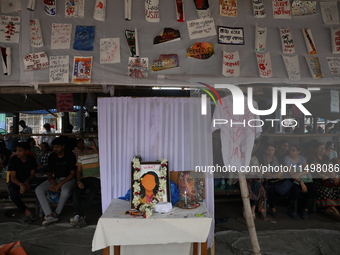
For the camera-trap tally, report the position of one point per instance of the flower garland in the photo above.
(147, 208)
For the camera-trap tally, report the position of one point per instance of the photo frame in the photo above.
(150, 183)
(191, 186)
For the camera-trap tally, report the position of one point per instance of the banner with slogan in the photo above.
(65, 102)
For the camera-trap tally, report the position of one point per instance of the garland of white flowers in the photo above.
(148, 208)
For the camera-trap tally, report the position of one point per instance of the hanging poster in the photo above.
(74, 8)
(59, 69)
(201, 50)
(127, 9)
(138, 67)
(334, 66)
(64, 102)
(301, 8)
(281, 9)
(334, 95)
(292, 67)
(6, 60)
(36, 39)
(329, 11)
(264, 64)
(99, 10)
(258, 9)
(287, 41)
(9, 29)
(260, 39)
(31, 5)
(152, 10)
(228, 8)
(335, 35)
(314, 67)
(167, 35)
(231, 35)
(201, 28)
(36, 61)
(231, 64)
(180, 11)
(50, 7)
(165, 61)
(82, 67)
(202, 7)
(84, 38)
(61, 36)
(132, 41)
(8, 6)
(109, 50)
(307, 34)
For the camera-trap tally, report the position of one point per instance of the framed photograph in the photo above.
(191, 186)
(150, 183)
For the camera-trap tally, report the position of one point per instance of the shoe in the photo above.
(55, 215)
(81, 223)
(49, 220)
(294, 215)
(304, 215)
(74, 220)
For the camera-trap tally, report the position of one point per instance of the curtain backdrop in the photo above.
(171, 128)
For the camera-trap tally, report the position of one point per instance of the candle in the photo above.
(185, 197)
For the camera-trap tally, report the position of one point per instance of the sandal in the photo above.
(25, 220)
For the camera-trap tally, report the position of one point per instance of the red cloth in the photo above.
(14, 248)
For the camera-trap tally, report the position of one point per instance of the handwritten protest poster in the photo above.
(314, 67)
(59, 69)
(301, 8)
(334, 106)
(260, 39)
(281, 9)
(6, 60)
(82, 67)
(228, 8)
(61, 36)
(165, 61)
(152, 10)
(74, 8)
(138, 67)
(201, 28)
(231, 64)
(231, 35)
(200, 50)
(258, 9)
(84, 38)
(64, 102)
(36, 39)
(329, 11)
(36, 61)
(99, 10)
(202, 8)
(334, 66)
(292, 67)
(287, 41)
(307, 34)
(335, 35)
(109, 50)
(8, 6)
(264, 64)
(9, 29)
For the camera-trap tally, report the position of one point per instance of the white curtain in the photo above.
(171, 128)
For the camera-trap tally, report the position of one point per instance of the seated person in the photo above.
(22, 169)
(80, 148)
(42, 157)
(34, 149)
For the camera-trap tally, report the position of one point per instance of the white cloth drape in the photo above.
(171, 128)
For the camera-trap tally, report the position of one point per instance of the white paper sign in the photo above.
(99, 10)
(334, 107)
(201, 28)
(335, 35)
(231, 35)
(287, 41)
(258, 9)
(281, 9)
(109, 50)
(8, 6)
(36, 39)
(264, 64)
(61, 36)
(260, 39)
(9, 29)
(231, 64)
(329, 11)
(152, 10)
(292, 67)
(314, 67)
(59, 69)
(74, 8)
(307, 34)
(334, 66)
(36, 61)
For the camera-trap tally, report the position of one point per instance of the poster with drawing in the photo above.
(334, 66)
(36, 39)
(9, 29)
(50, 7)
(329, 11)
(191, 185)
(201, 28)
(231, 35)
(231, 64)
(287, 41)
(258, 9)
(84, 38)
(335, 35)
(99, 10)
(301, 8)
(109, 50)
(281, 9)
(292, 67)
(260, 39)
(228, 8)
(314, 67)
(138, 67)
(264, 64)
(9, 6)
(61, 36)
(74, 8)
(165, 61)
(152, 10)
(59, 69)
(36, 61)
(307, 35)
(82, 67)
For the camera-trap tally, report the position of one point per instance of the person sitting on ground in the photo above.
(330, 150)
(80, 148)
(45, 138)
(61, 169)
(303, 189)
(22, 169)
(34, 149)
(87, 178)
(42, 157)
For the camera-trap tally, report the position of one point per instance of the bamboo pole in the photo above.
(248, 214)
